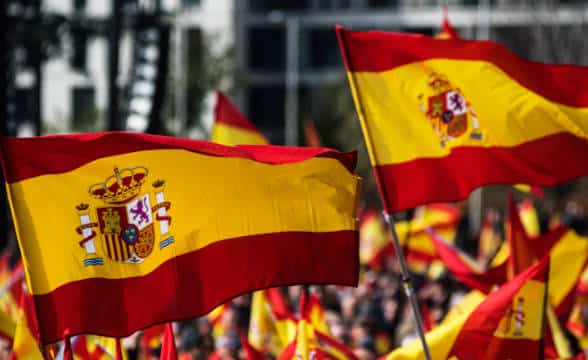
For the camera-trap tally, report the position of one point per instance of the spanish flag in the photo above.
(443, 117)
(447, 29)
(263, 329)
(26, 341)
(310, 343)
(231, 127)
(508, 324)
(418, 248)
(129, 217)
(465, 269)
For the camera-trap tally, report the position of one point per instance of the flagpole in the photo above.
(407, 284)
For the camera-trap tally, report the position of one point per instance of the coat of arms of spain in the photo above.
(450, 115)
(130, 220)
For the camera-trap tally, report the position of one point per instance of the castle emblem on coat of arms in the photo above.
(128, 223)
(450, 115)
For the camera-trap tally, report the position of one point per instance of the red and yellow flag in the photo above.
(442, 117)
(26, 334)
(272, 326)
(447, 29)
(508, 324)
(310, 343)
(418, 247)
(231, 127)
(168, 344)
(130, 217)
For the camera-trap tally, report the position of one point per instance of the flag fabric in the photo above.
(373, 237)
(529, 218)
(165, 222)
(466, 269)
(151, 338)
(91, 347)
(490, 239)
(507, 324)
(215, 318)
(576, 323)
(263, 329)
(428, 118)
(251, 353)
(316, 314)
(521, 256)
(26, 341)
(284, 318)
(231, 127)
(535, 190)
(10, 298)
(568, 253)
(447, 29)
(310, 343)
(168, 344)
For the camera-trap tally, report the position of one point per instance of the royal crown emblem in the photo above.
(451, 116)
(130, 220)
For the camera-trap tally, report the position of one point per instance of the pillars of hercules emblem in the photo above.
(85, 229)
(161, 207)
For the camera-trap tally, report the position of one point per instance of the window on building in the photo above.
(283, 5)
(323, 49)
(382, 3)
(84, 114)
(265, 105)
(267, 48)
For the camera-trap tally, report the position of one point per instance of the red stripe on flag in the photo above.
(369, 51)
(54, 154)
(543, 162)
(193, 284)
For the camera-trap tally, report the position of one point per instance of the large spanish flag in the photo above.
(120, 231)
(231, 127)
(443, 117)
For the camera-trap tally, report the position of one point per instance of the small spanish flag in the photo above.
(263, 332)
(442, 117)
(231, 127)
(447, 29)
(143, 226)
(310, 343)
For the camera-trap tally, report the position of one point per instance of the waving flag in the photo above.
(231, 127)
(443, 117)
(447, 29)
(272, 326)
(310, 343)
(418, 247)
(466, 269)
(130, 217)
(26, 342)
(508, 324)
